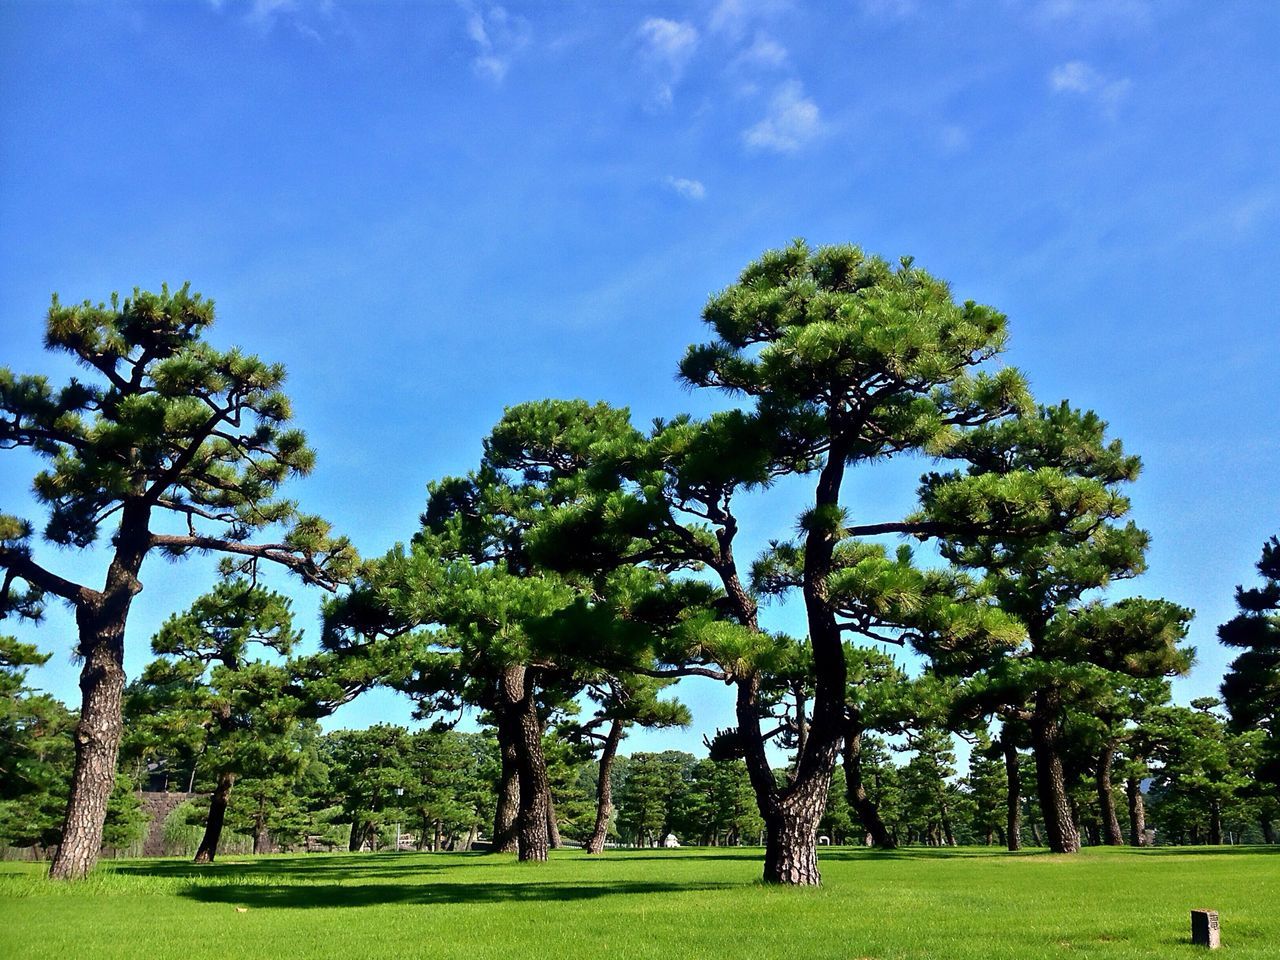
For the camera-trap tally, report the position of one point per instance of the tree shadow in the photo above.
(333, 895)
(370, 867)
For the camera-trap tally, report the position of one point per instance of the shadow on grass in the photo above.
(303, 896)
(368, 867)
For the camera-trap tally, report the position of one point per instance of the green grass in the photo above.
(955, 904)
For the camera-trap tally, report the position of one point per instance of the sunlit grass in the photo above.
(648, 904)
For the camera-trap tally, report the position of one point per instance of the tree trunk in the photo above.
(553, 825)
(1051, 781)
(1268, 832)
(1137, 812)
(261, 838)
(856, 792)
(1215, 823)
(353, 842)
(604, 789)
(790, 848)
(504, 820)
(1013, 811)
(520, 713)
(217, 816)
(97, 737)
(1111, 834)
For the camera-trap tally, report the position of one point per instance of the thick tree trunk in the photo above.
(1051, 780)
(604, 789)
(353, 841)
(1268, 832)
(1013, 811)
(1111, 834)
(217, 816)
(856, 793)
(520, 715)
(1215, 823)
(100, 623)
(504, 820)
(1137, 812)
(790, 848)
(97, 737)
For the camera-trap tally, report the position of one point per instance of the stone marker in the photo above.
(1204, 929)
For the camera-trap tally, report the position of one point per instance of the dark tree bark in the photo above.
(100, 623)
(1215, 823)
(353, 841)
(520, 714)
(1111, 834)
(261, 837)
(1013, 812)
(217, 816)
(790, 853)
(604, 789)
(856, 793)
(1051, 781)
(1268, 831)
(553, 825)
(508, 807)
(1137, 812)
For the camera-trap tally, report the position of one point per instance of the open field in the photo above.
(649, 904)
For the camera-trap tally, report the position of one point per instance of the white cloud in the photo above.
(888, 9)
(792, 122)
(763, 52)
(499, 37)
(666, 47)
(312, 18)
(1104, 15)
(689, 189)
(1083, 79)
(732, 17)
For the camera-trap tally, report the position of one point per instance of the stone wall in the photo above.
(157, 807)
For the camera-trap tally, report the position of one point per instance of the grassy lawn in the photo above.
(649, 904)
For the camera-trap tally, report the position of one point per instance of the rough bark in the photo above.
(97, 737)
(353, 841)
(508, 807)
(208, 848)
(604, 789)
(1137, 812)
(1111, 834)
(1051, 782)
(520, 714)
(856, 792)
(791, 853)
(1013, 812)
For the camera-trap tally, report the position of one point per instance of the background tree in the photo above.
(1057, 462)
(237, 705)
(172, 446)
(1251, 688)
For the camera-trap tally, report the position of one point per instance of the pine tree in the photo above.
(167, 426)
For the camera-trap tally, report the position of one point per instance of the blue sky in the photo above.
(430, 211)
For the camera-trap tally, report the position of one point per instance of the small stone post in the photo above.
(1204, 929)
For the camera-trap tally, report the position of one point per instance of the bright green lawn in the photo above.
(639, 904)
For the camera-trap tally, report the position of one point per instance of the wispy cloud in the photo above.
(1106, 15)
(666, 46)
(792, 121)
(499, 37)
(764, 52)
(311, 18)
(734, 17)
(689, 189)
(1082, 79)
(888, 9)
